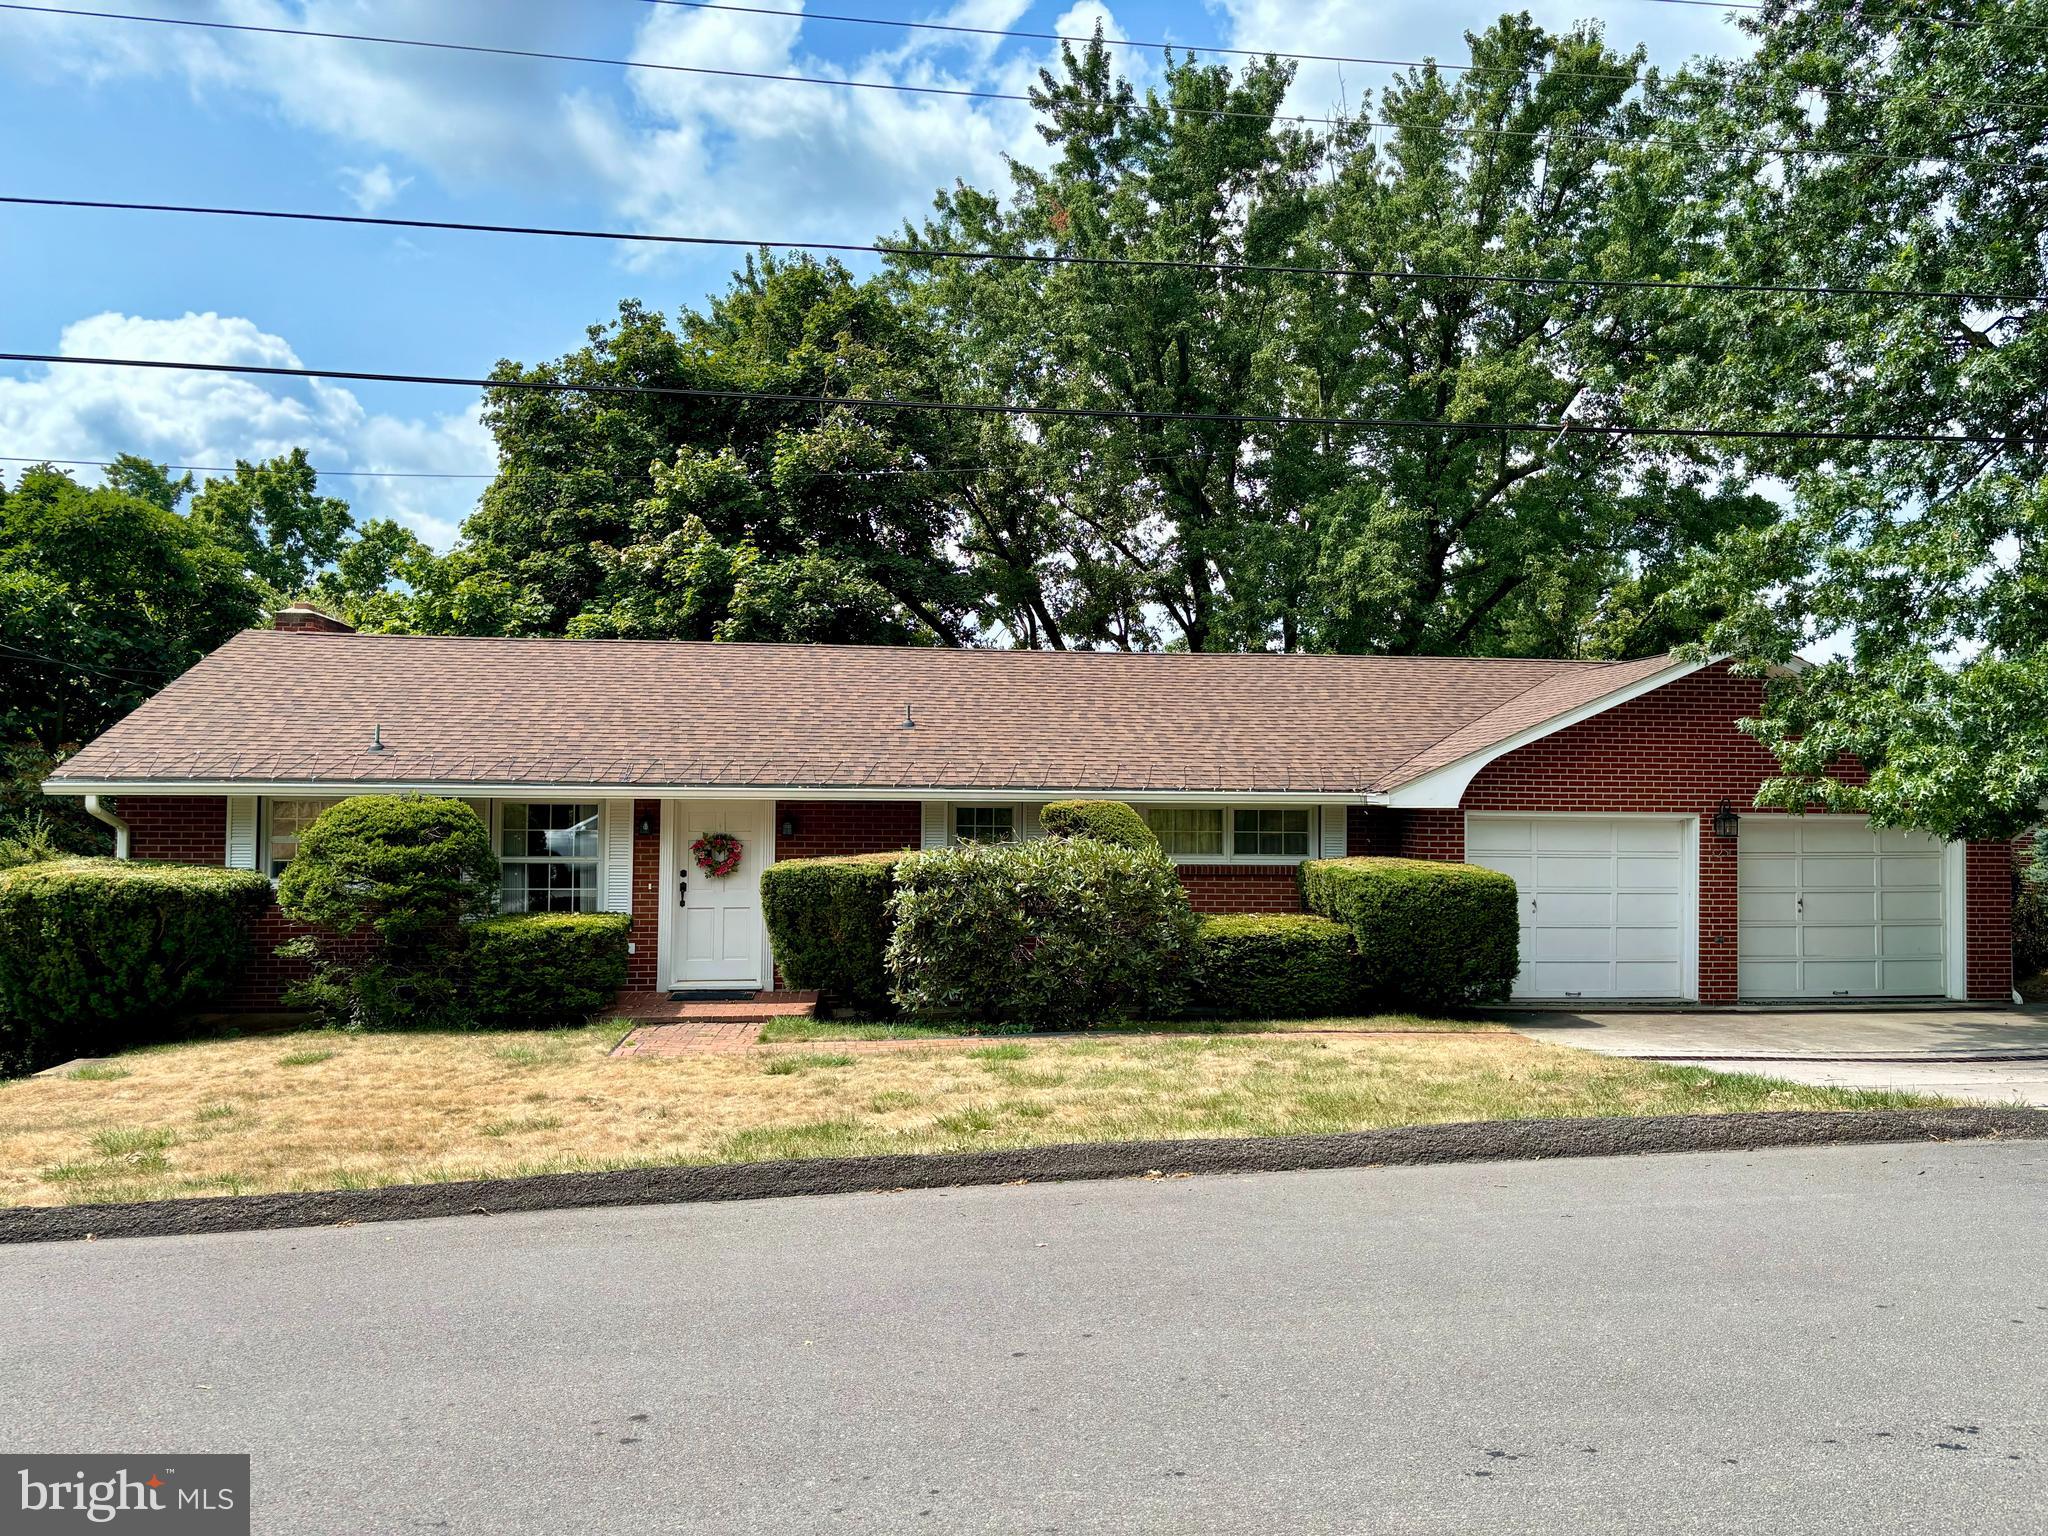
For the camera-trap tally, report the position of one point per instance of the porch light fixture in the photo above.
(1726, 823)
(787, 826)
(644, 825)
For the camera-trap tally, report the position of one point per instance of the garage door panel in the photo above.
(1836, 874)
(1575, 908)
(1499, 837)
(1602, 901)
(1646, 943)
(1574, 872)
(1643, 872)
(1910, 906)
(1636, 978)
(1910, 941)
(1829, 907)
(1844, 978)
(1899, 872)
(1910, 978)
(1649, 837)
(1768, 872)
(1826, 907)
(1572, 835)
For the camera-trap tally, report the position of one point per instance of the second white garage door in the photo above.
(1605, 901)
(1831, 907)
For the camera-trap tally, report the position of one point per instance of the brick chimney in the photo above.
(309, 620)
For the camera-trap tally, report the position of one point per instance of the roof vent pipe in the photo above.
(98, 812)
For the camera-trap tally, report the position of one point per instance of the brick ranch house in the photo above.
(597, 763)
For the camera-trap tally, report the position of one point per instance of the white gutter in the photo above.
(94, 809)
(600, 791)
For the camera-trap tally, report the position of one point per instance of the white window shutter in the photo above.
(242, 832)
(1026, 823)
(617, 895)
(1336, 839)
(938, 824)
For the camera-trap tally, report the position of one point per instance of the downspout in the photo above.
(98, 812)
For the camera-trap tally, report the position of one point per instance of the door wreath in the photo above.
(716, 853)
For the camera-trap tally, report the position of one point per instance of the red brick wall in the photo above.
(1241, 887)
(1987, 876)
(642, 974)
(186, 829)
(827, 829)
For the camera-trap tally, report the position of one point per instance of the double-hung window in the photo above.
(1196, 832)
(549, 853)
(285, 822)
(984, 824)
(1187, 832)
(1270, 834)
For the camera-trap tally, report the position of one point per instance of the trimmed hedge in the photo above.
(1107, 821)
(97, 953)
(544, 970)
(1053, 933)
(1277, 966)
(829, 921)
(406, 870)
(1429, 933)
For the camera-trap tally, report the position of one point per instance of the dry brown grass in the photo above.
(314, 1111)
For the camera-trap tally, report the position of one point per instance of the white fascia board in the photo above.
(1006, 795)
(1444, 788)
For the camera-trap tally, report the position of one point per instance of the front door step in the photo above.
(713, 994)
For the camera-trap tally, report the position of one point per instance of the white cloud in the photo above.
(75, 412)
(374, 188)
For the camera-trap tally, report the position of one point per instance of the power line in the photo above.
(1048, 258)
(79, 666)
(1532, 134)
(2011, 441)
(229, 469)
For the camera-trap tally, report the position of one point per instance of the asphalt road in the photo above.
(1817, 1340)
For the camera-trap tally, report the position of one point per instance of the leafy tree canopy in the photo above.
(1856, 150)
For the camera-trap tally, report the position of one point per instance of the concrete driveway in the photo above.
(1981, 1055)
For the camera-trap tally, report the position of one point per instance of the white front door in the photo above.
(1828, 907)
(1605, 901)
(720, 938)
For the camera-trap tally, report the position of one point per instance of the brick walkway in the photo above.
(696, 1038)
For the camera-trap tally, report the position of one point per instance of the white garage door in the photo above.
(1604, 903)
(1827, 907)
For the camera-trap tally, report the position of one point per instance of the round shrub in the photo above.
(1429, 933)
(543, 970)
(1277, 966)
(1053, 933)
(96, 953)
(404, 873)
(1107, 821)
(829, 921)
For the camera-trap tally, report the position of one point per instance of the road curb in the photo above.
(1480, 1141)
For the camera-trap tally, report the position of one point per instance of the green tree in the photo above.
(273, 515)
(1218, 534)
(104, 598)
(1874, 149)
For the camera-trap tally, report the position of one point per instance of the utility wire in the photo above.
(79, 666)
(2009, 441)
(1771, 152)
(229, 469)
(1047, 258)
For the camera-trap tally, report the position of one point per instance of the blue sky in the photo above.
(117, 110)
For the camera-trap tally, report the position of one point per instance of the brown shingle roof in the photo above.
(301, 708)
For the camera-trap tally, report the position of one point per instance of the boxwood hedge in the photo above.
(544, 970)
(1273, 966)
(829, 921)
(1429, 933)
(99, 953)
(1107, 821)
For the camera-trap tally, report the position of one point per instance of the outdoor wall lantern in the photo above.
(646, 823)
(787, 827)
(1726, 823)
